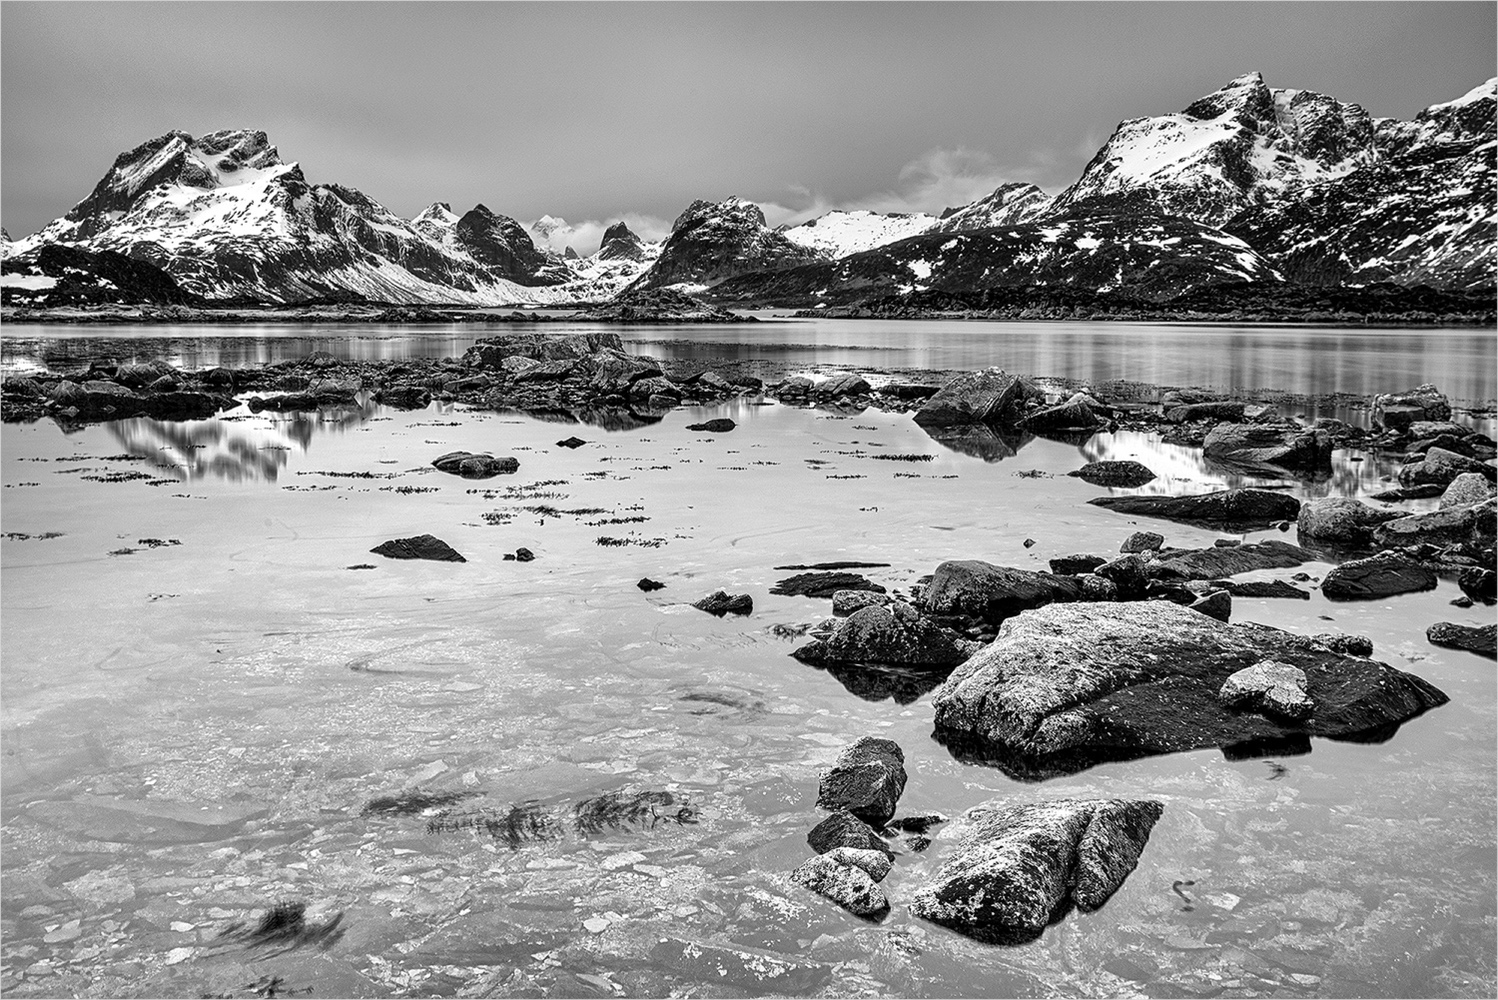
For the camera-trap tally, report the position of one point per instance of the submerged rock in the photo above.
(646, 584)
(1220, 561)
(1383, 575)
(418, 547)
(740, 969)
(1125, 474)
(718, 425)
(991, 396)
(1020, 868)
(846, 885)
(471, 466)
(866, 780)
(887, 633)
(823, 584)
(1479, 639)
(1249, 508)
(1071, 685)
(720, 603)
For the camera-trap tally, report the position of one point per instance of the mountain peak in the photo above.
(620, 243)
(1245, 97)
(732, 210)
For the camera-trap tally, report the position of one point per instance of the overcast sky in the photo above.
(595, 112)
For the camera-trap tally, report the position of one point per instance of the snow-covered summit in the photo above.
(1243, 145)
(842, 233)
(1010, 204)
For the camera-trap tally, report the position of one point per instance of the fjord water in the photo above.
(200, 694)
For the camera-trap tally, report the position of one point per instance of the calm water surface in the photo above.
(200, 696)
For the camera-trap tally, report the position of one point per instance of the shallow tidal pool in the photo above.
(208, 678)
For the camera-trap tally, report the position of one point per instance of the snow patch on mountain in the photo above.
(842, 233)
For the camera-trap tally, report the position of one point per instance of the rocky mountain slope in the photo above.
(1423, 212)
(713, 241)
(1155, 257)
(225, 217)
(1245, 184)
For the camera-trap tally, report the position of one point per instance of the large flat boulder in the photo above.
(1020, 868)
(1440, 467)
(1401, 410)
(1252, 447)
(1479, 639)
(1072, 685)
(1341, 520)
(990, 396)
(1247, 508)
(1445, 526)
(1381, 575)
(1218, 562)
(886, 633)
(976, 589)
(475, 466)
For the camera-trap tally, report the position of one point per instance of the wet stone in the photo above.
(846, 885)
(720, 603)
(418, 547)
(843, 829)
(866, 780)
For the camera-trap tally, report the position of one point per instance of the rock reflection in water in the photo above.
(223, 449)
(991, 444)
(880, 682)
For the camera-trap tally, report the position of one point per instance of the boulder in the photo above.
(1224, 409)
(1401, 410)
(894, 633)
(823, 584)
(418, 547)
(1252, 447)
(1218, 604)
(717, 425)
(1260, 589)
(846, 885)
(1467, 488)
(1441, 527)
(1128, 574)
(1143, 541)
(658, 385)
(1071, 685)
(1126, 474)
(991, 396)
(976, 589)
(647, 585)
(1342, 520)
(1075, 565)
(842, 385)
(1020, 868)
(1479, 639)
(138, 375)
(1245, 508)
(1271, 687)
(1210, 564)
(1074, 414)
(843, 829)
(1479, 583)
(720, 603)
(845, 602)
(615, 371)
(1440, 467)
(1381, 575)
(471, 466)
(866, 780)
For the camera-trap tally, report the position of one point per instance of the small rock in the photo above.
(843, 829)
(1479, 639)
(623, 860)
(418, 547)
(876, 863)
(1271, 687)
(596, 925)
(718, 425)
(646, 584)
(866, 780)
(1143, 541)
(524, 555)
(846, 885)
(1218, 604)
(1076, 564)
(572, 442)
(720, 603)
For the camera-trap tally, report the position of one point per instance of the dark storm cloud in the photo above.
(594, 111)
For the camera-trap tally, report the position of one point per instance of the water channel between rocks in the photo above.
(202, 692)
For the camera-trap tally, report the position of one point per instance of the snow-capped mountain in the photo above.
(839, 234)
(224, 216)
(1425, 211)
(1241, 146)
(712, 241)
(1010, 205)
(621, 243)
(1152, 257)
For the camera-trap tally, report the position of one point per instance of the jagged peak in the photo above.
(439, 213)
(733, 207)
(1246, 96)
(619, 231)
(1483, 91)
